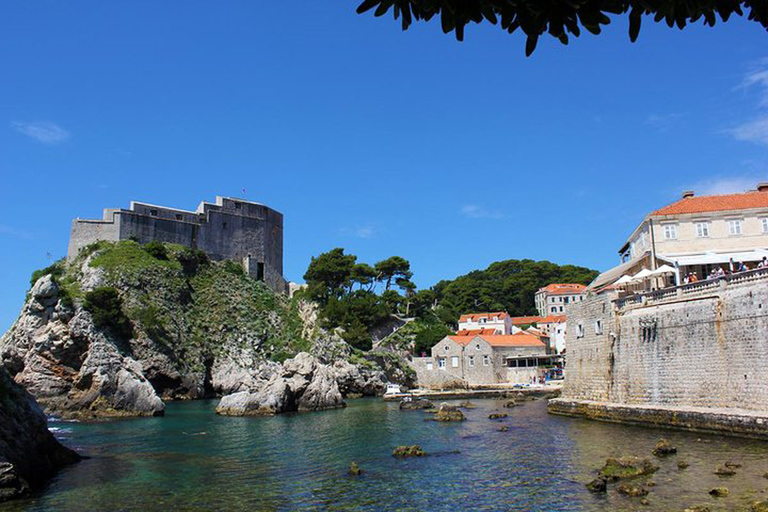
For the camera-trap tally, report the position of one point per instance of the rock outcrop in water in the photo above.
(29, 454)
(176, 326)
(304, 384)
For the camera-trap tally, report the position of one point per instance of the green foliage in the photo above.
(504, 286)
(428, 336)
(559, 19)
(157, 250)
(394, 267)
(233, 268)
(355, 313)
(106, 308)
(56, 270)
(128, 255)
(191, 260)
(329, 275)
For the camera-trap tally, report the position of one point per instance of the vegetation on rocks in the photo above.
(402, 452)
(626, 467)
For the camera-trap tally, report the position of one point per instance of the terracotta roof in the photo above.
(474, 317)
(475, 332)
(719, 203)
(514, 340)
(503, 340)
(552, 319)
(562, 288)
(525, 320)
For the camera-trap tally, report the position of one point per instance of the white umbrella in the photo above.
(624, 280)
(664, 269)
(642, 274)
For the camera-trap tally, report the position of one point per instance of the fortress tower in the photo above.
(230, 229)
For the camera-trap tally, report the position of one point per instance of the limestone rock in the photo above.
(467, 405)
(304, 384)
(664, 448)
(402, 452)
(719, 492)
(416, 405)
(448, 412)
(759, 506)
(597, 485)
(626, 467)
(681, 464)
(497, 416)
(29, 454)
(356, 379)
(632, 490)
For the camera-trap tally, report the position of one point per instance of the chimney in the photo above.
(689, 193)
(762, 187)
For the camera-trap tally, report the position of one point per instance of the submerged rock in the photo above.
(725, 471)
(467, 405)
(664, 448)
(732, 465)
(304, 385)
(354, 469)
(632, 490)
(719, 492)
(697, 508)
(681, 464)
(29, 454)
(759, 506)
(402, 452)
(511, 404)
(626, 467)
(448, 412)
(416, 405)
(597, 485)
(497, 416)
(503, 428)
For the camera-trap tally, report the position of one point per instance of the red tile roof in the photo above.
(553, 319)
(562, 288)
(525, 320)
(474, 317)
(503, 340)
(475, 332)
(719, 203)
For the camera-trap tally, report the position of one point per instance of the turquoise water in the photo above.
(194, 460)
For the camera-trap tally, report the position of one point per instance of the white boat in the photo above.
(392, 389)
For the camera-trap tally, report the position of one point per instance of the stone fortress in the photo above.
(229, 229)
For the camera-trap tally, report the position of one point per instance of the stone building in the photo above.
(697, 234)
(482, 360)
(694, 356)
(485, 323)
(229, 229)
(554, 298)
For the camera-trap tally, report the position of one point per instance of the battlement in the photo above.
(230, 228)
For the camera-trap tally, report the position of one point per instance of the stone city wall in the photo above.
(698, 353)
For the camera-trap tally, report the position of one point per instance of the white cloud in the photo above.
(664, 122)
(366, 231)
(15, 233)
(473, 211)
(42, 131)
(725, 185)
(752, 131)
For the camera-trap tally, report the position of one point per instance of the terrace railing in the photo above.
(692, 290)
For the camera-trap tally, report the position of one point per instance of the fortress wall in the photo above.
(706, 353)
(85, 232)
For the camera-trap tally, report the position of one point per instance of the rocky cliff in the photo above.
(29, 454)
(125, 326)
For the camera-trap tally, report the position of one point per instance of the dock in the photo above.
(460, 394)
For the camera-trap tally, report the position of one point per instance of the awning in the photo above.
(609, 276)
(714, 258)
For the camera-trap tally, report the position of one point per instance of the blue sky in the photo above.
(453, 155)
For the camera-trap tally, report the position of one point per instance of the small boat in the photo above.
(392, 389)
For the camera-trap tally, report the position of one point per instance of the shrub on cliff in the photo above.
(106, 308)
(156, 249)
(55, 270)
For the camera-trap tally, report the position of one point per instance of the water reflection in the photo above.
(195, 460)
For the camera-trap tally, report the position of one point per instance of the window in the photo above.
(764, 221)
(482, 320)
(670, 231)
(153, 213)
(471, 361)
(734, 227)
(430, 366)
(512, 363)
(477, 347)
(486, 360)
(455, 362)
(445, 347)
(579, 331)
(178, 216)
(554, 309)
(598, 327)
(223, 225)
(441, 363)
(238, 206)
(561, 309)
(702, 229)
